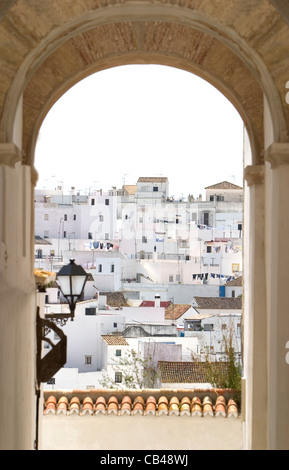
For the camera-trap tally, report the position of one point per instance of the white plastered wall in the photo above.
(17, 294)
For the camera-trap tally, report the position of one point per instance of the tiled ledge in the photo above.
(200, 403)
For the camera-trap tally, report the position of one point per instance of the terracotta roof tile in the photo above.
(115, 299)
(41, 241)
(175, 311)
(115, 340)
(152, 179)
(185, 371)
(172, 311)
(190, 403)
(130, 188)
(151, 303)
(224, 185)
(220, 303)
(235, 282)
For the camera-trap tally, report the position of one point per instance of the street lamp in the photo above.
(71, 280)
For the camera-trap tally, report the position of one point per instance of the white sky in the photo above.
(141, 120)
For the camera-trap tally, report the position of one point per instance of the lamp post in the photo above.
(71, 280)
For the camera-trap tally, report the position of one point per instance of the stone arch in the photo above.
(165, 35)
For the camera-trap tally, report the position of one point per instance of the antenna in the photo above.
(123, 178)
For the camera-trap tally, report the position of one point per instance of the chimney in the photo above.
(157, 300)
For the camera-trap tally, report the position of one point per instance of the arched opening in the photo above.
(168, 126)
(139, 119)
(231, 48)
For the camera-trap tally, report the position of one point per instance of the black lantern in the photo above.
(71, 280)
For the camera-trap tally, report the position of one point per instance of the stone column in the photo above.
(254, 400)
(17, 304)
(277, 241)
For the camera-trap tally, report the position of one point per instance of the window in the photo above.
(220, 198)
(101, 218)
(92, 202)
(208, 327)
(233, 293)
(211, 198)
(206, 218)
(88, 359)
(74, 216)
(64, 234)
(155, 188)
(209, 249)
(65, 217)
(144, 239)
(100, 268)
(112, 268)
(89, 235)
(52, 252)
(140, 220)
(235, 267)
(90, 311)
(115, 325)
(46, 217)
(118, 377)
(107, 202)
(171, 278)
(195, 325)
(118, 352)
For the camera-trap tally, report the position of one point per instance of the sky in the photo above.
(140, 120)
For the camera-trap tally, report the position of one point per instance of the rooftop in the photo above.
(172, 311)
(211, 402)
(218, 303)
(40, 241)
(152, 179)
(238, 282)
(130, 188)
(186, 371)
(224, 185)
(115, 340)
(115, 299)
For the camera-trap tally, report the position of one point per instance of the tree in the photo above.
(136, 372)
(226, 373)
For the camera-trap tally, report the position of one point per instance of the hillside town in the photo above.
(164, 281)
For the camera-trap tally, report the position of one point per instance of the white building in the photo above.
(141, 233)
(84, 343)
(216, 323)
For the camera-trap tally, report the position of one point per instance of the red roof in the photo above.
(151, 303)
